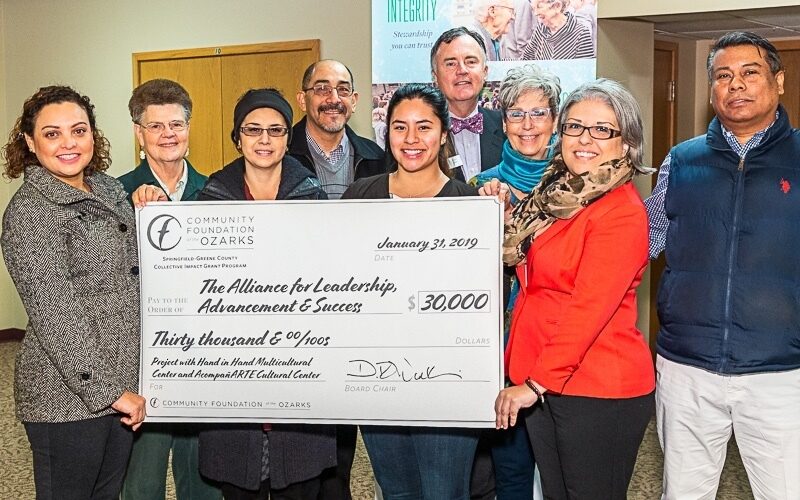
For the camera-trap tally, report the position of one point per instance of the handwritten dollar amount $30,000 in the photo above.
(451, 301)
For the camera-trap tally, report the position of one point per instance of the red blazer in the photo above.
(573, 328)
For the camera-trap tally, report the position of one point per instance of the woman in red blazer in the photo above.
(583, 372)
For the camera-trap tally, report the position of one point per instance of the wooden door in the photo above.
(789, 51)
(281, 67)
(215, 77)
(200, 76)
(665, 76)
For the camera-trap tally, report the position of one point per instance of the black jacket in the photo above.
(367, 156)
(296, 183)
(233, 453)
(377, 187)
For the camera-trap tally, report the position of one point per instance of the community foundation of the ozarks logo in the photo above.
(164, 232)
(202, 232)
(228, 232)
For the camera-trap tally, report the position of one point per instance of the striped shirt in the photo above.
(655, 203)
(572, 41)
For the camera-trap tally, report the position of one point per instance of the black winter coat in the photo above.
(233, 453)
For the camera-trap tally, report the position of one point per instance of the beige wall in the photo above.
(627, 8)
(11, 312)
(702, 107)
(88, 44)
(634, 69)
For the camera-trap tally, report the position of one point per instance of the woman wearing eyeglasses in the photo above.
(160, 110)
(574, 355)
(262, 123)
(529, 97)
(256, 461)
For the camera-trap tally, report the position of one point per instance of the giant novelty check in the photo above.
(370, 312)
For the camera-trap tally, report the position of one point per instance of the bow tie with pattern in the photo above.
(474, 124)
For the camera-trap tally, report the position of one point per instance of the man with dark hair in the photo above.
(726, 211)
(322, 140)
(324, 143)
(458, 68)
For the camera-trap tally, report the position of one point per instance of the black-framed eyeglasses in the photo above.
(325, 90)
(158, 127)
(276, 131)
(516, 115)
(600, 132)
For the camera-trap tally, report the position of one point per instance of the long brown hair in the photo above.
(432, 97)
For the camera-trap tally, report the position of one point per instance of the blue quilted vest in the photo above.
(729, 298)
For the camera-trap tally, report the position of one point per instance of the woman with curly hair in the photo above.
(70, 246)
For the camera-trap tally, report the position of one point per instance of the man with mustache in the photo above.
(324, 143)
(322, 140)
(726, 210)
(458, 68)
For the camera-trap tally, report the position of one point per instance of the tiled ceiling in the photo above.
(776, 22)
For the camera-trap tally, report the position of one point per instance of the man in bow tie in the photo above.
(458, 68)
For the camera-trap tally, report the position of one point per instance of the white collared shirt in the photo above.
(180, 187)
(468, 146)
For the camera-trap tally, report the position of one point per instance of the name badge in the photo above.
(455, 162)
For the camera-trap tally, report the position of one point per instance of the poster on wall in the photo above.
(558, 35)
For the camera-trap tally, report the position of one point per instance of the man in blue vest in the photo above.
(726, 210)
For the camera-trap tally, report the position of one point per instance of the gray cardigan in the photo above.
(72, 256)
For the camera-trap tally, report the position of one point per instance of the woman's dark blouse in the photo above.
(377, 187)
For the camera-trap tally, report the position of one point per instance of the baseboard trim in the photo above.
(11, 334)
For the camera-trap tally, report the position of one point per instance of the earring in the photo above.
(141, 154)
(186, 154)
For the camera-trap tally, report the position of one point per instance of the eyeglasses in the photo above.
(600, 132)
(158, 127)
(515, 115)
(275, 131)
(512, 9)
(325, 90)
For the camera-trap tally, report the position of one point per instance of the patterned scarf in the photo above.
(558, 196)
